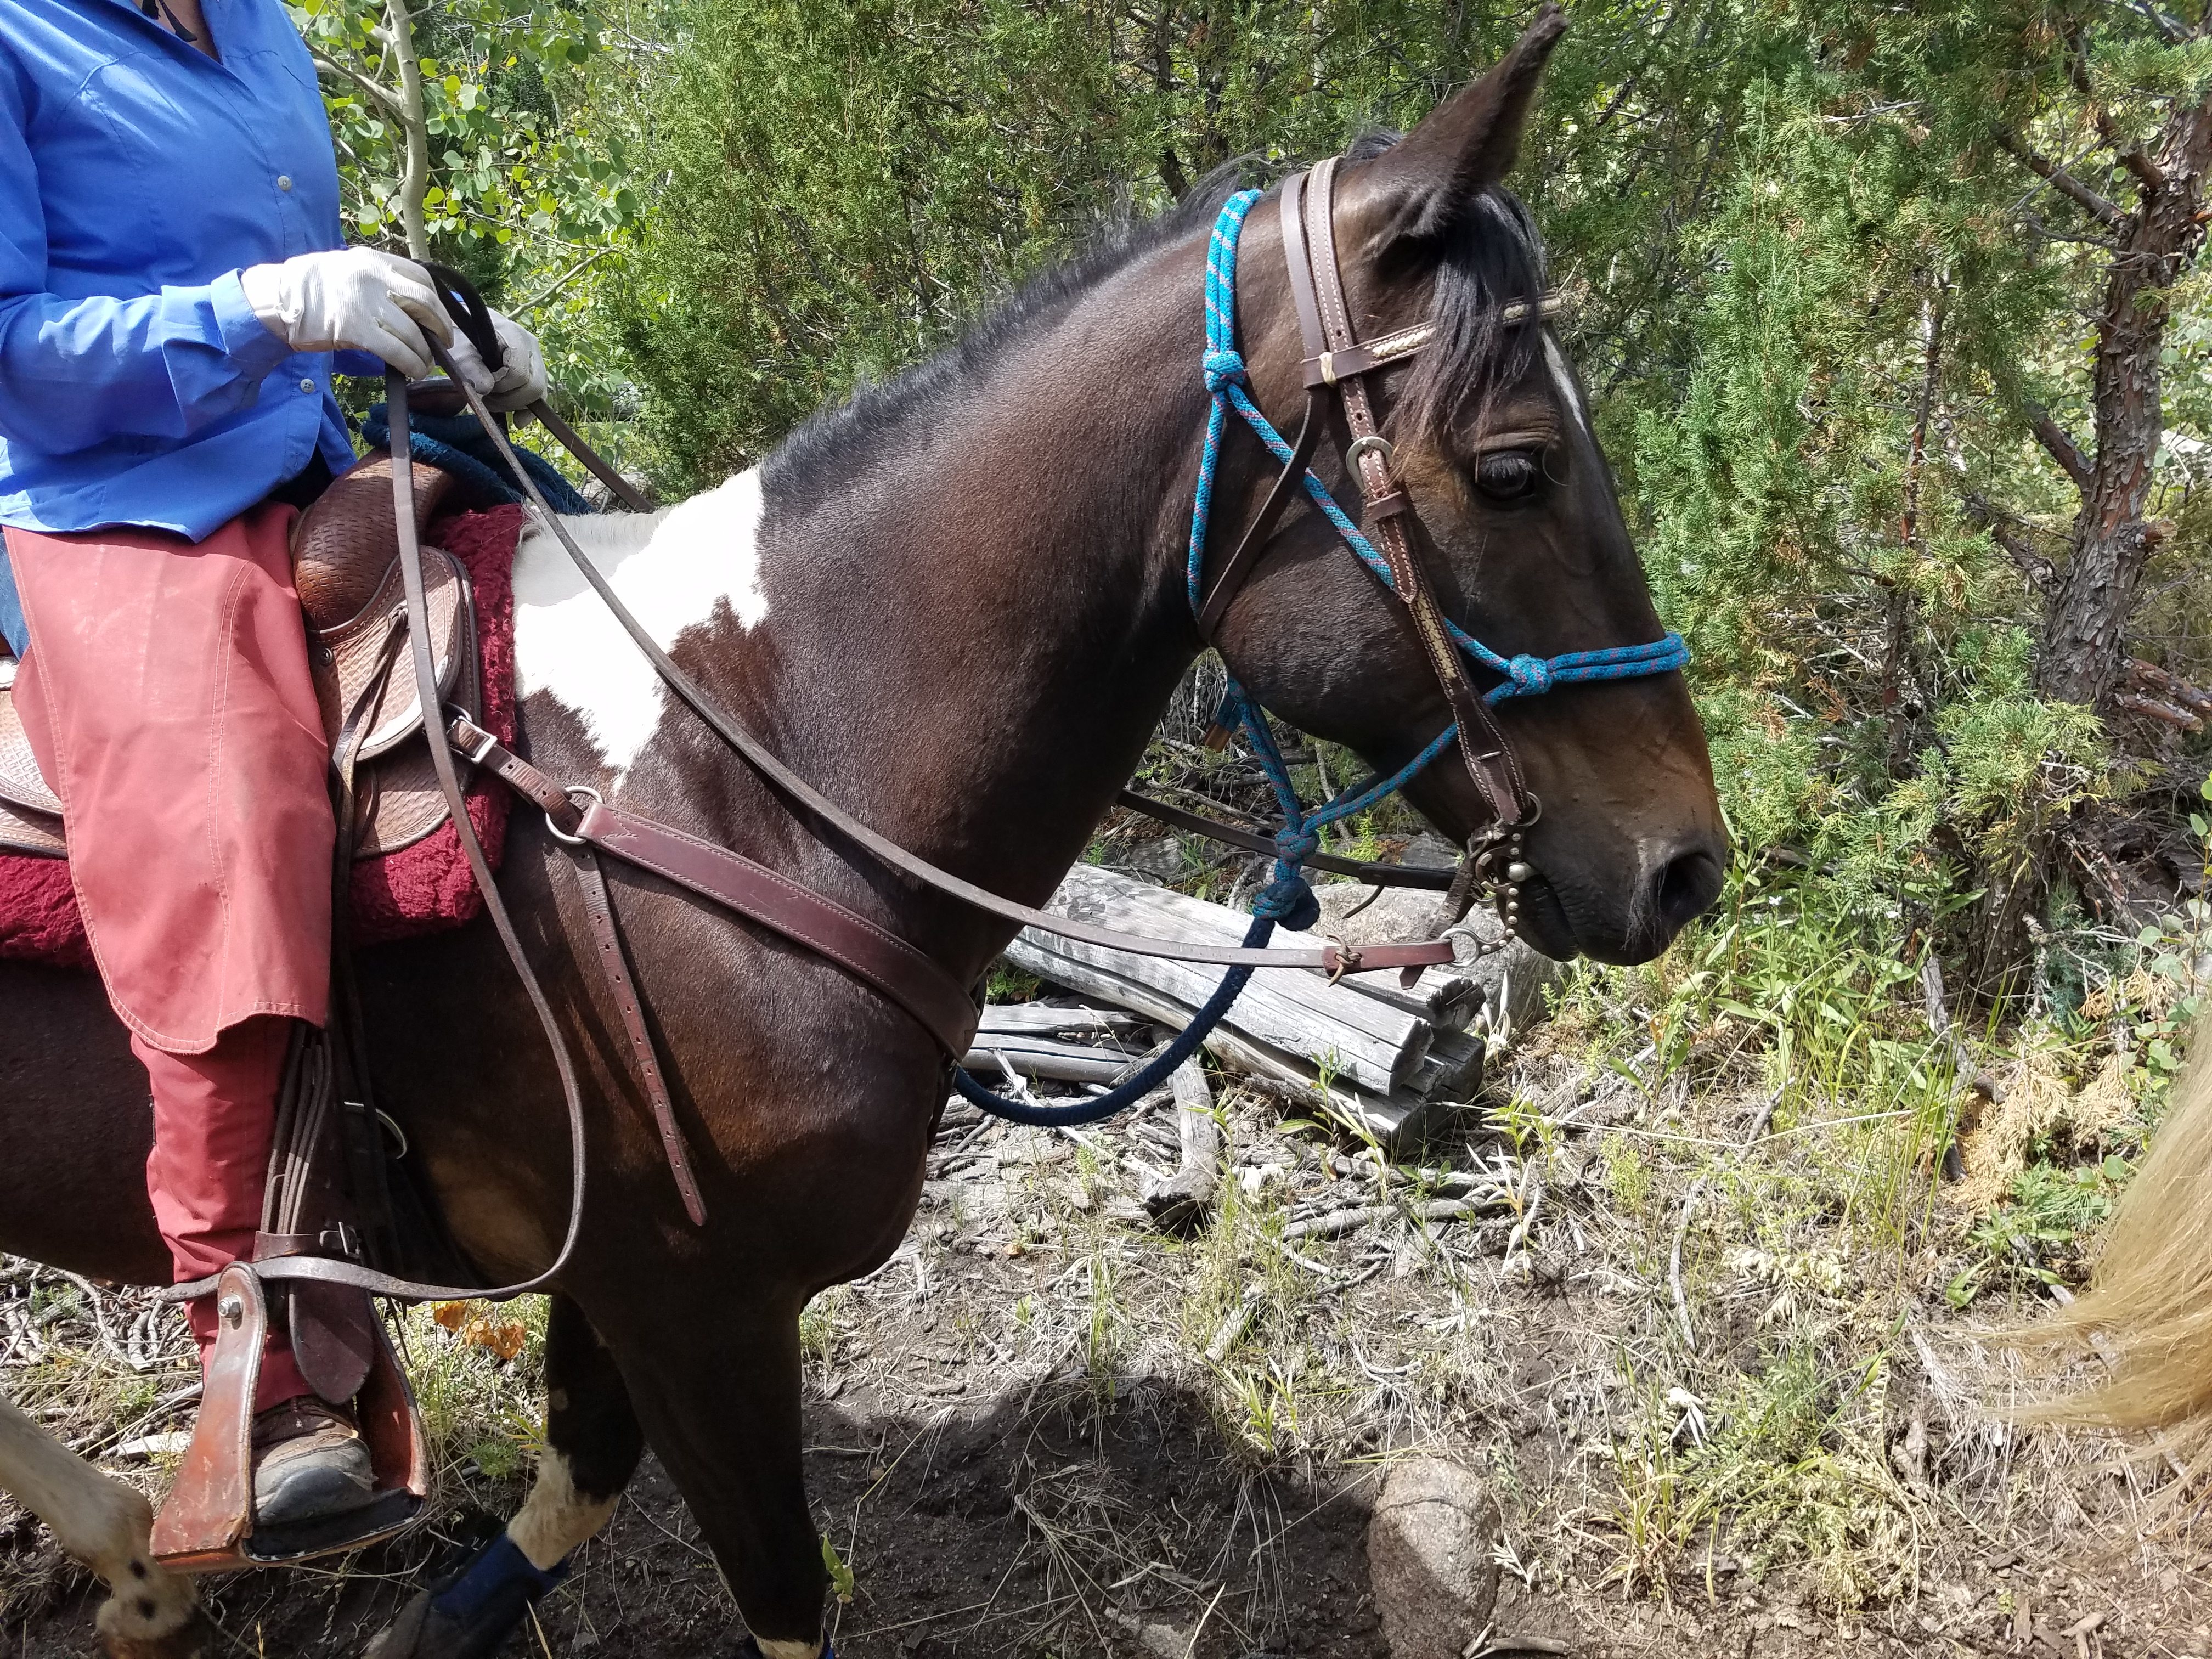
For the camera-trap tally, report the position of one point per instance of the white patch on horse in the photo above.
(673, 569)
(555, 1517)
(105, 1524)
(1563, 377)
(773, 1649)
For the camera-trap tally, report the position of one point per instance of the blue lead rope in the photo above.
(1287, 897)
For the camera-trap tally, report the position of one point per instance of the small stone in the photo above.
(1429, 1553)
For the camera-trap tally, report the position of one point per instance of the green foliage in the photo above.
(847, 184)
(511, 153)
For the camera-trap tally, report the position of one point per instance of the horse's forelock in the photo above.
(1492, 261)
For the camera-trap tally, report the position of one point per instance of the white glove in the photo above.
(520, 381)
(353, 298)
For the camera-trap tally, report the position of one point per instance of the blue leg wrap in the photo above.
(503, 1578)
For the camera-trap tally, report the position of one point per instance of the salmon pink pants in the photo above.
(167, 695)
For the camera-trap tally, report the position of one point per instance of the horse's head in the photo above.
(1514, 516)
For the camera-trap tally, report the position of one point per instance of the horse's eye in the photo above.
(1508, 475)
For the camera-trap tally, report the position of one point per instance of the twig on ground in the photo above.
(1675, 1265)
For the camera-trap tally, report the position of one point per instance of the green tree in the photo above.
(846, 183)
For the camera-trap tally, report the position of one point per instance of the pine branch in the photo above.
(2038, 570)
(2061, 180)
(2172, 33)
(2060, 442)
(2136, 160)
(2030, 222)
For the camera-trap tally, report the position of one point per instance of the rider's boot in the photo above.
(213, 1115)
(309, 1462)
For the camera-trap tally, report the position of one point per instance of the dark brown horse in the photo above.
(957, 606)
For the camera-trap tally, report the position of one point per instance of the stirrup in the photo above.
(207, 1522)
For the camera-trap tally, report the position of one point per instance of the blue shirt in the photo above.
(138, 177)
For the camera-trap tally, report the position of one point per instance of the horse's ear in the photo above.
(1424, 184)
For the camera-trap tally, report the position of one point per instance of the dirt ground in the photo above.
(1049, 1428)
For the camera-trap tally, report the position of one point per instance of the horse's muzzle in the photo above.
(1564, 915)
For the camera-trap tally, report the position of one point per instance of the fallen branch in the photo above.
(2155, 708)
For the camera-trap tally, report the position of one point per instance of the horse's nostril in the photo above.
(1684, 885)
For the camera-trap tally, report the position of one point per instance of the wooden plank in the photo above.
(1295, 1026)
(1042, 1057)
(1044, 1019)
(1091, 893)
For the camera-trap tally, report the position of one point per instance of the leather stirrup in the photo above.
(207, 1522)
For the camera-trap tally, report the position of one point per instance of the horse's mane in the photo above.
(1491, 257)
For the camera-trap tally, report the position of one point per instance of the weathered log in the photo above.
(1379, 1051)
(1042, 1057)
(1184, 1198)
(1045, 1019)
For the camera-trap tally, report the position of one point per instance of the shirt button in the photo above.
(283, 181)
(306, 386)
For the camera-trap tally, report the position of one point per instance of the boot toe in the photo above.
(298, 1481)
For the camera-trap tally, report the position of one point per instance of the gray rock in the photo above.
(1429, 1556)
(1159, 861)
(1514, 978)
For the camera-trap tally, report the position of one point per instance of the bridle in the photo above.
(1338, 366)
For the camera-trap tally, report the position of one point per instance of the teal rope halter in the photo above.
(1287, 897)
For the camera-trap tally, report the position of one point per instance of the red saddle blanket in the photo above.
(423, 888)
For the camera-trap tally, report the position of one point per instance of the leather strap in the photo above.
(614, 963)
(1297, 256)
(1317, 284)
(1290, 484)
(1375, 875)
(621, 488)
(1329, 368)
(1331, 958)
(871, 954)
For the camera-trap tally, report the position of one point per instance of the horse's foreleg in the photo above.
(721, 1401)
(150, 1614)
(591, 1447)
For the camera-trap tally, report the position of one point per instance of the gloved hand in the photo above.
(358, 298)
(521, 378)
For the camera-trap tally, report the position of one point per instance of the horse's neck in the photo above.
(985, 624)
(963, 629)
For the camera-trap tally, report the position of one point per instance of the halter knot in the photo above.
(1223, 369)
(1532, 676)
(1290, 901)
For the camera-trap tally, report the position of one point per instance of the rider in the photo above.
(174, 284)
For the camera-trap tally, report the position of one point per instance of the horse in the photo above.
(957, 606)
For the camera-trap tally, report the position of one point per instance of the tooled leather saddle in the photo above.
(345, 563)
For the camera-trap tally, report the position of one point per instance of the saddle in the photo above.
(345, 563)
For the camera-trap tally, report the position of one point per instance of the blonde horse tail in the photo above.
(2149, 1306)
